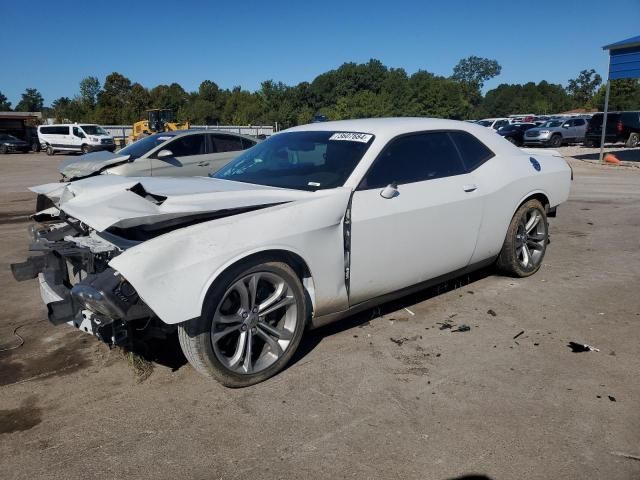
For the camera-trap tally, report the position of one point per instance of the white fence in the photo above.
(123, 131)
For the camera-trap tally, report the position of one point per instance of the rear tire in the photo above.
(526, 241)
(556, 141)
(231, 341)
(3, 150)
(50, 151)
(632, 141)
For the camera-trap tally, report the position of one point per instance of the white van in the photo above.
(75, 137)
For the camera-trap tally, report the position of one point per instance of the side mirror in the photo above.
(390, 191)
(166, 153)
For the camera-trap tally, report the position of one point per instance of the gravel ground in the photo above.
(385, 394)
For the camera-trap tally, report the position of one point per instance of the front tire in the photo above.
(4, 150)
(526, 241)
(556, 141)
(632, 141)
(85, 149)
(50, 151)
(252, 322)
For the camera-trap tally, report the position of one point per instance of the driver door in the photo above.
(426, 228)
(189, 158)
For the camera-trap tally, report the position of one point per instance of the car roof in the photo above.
(386, 128)
(176, 133)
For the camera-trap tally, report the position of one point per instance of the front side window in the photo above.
(77, 132)
(473, 152)
(246, 143)
(94, 130)
(414, 158)
(188, 145)
(225, 143)
(145, 145)
(579, 122)
(300, 160)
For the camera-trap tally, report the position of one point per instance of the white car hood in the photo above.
(89, 164)
(107, 201)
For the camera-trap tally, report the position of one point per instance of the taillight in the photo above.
(619, 126)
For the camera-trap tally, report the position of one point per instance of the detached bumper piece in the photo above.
(28, 270)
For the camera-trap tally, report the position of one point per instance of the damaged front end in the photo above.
(80, 289)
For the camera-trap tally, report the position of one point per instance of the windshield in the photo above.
(484, 123)
(94, 130)
(551, 123)
(144, 145)
(299, 160)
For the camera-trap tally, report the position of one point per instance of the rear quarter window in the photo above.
(473, 152)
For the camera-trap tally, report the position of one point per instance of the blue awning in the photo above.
(624, 58)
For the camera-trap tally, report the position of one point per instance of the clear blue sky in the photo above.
(52, 45)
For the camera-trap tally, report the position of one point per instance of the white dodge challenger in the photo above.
(305, 228)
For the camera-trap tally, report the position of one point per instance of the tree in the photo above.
(582, 88)
(138, 101)
(5, 104)
(89, 90)
(543, 98)
(624, 95)
(476, 70)
(435, 96)
(31, 101)
(113, 100)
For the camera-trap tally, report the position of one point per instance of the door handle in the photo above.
(470, 188)
(203, 164)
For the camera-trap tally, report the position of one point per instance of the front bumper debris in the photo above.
(77, 285)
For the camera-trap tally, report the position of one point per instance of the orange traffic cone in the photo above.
(611, 158)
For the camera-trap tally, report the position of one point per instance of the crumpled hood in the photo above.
(89, 164)
(107, 201)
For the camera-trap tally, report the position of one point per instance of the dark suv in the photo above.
(621, 127)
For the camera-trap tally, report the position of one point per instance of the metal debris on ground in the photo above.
(612, 398)
(410, 312)
(520, 333)
(462, 328)
(582, 347)
(492, 312)
(445, 325)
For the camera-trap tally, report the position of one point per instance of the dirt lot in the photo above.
(386, 394)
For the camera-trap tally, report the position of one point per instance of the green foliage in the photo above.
(476, 70)
(543, 98)
(624, 95)
(31, 101)
(113, 101)
(5, 104)
(89, 90)
(583, 87)
(352, 90)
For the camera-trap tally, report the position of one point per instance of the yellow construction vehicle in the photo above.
(158, 120)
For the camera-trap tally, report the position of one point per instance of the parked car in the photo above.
(515, 132)
(183, 153)
(495, 123)
(9, 143)
(557, 132)
(75, 137)
(309, 226)
(621, 127)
